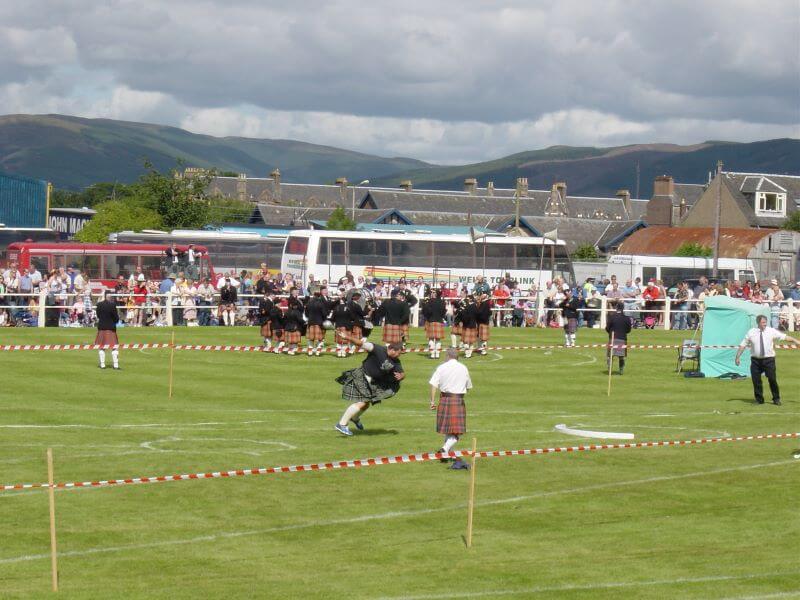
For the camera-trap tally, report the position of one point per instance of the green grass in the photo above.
(714, 521)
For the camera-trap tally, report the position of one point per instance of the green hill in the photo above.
(74, 152)
(603, 171)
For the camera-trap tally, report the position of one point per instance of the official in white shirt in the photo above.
(760, 340)
(450, 381)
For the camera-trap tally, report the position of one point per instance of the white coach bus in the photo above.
(454, 258)
(672, 269)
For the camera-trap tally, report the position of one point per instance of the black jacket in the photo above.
(107, 315)
(293, 319)
(434, 310)
(342, 317)
(396, 312)
(483, 313)
(317, 310)
(469, 316)
(357, 312)
(570, 307)
(619, 325)
(265, 306)
(227, 294)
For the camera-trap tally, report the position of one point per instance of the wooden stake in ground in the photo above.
(171, 362)
(610, 363)
(471, 503)
(51, 492)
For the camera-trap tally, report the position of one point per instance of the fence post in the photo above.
(666, 314)
(540, 314)
(170, 323)
(603, 308)
(792, 309)
(42, 302)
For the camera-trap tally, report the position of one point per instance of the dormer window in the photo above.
(770, 205)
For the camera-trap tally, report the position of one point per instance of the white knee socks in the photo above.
(351, 411)
(114, 358)
(453, 340)
(449, 442)
(102, 354)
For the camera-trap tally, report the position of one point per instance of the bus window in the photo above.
(454, 255)
(119, 265)
(411, 254)
(298, 245)
(151, 267)
(91, 266)
(562, 264)
(527, 256)
(41, 264)
(338, 252)
(648, 273)
(369, 252)
(498, 256)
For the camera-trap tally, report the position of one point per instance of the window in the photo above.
(369, 252)
(151, 267)
(527, 256)
(120, 265)
(770, 204)
(338, 252)
(498, 256)
(91, 266)
(411, 254)
(450, 255)
(298, 245)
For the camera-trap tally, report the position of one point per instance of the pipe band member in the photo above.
(377, 379)
(434, 311)
(620, 325)
(450, 381)
(483, 316)
(760, 339)
(107, 316)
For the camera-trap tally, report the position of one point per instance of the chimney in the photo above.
(561, 186)
(406, 185)
(342, 183)
(241, 187)
(557, 204)
(276, 184)
(625, 196)
(490, 188)
(470, 185)
(522, 187)
(663, 186)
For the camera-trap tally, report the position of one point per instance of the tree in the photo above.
(693, 249)
(585, 252)
(95, 194)
(339, 221)
(118, 215)
(181, 201)
(793, 222)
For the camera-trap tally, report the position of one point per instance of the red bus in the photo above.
(104, 262)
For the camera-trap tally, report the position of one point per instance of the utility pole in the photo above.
(637, 180)
(717, 219)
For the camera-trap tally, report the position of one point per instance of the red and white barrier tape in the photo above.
(392, 460)
(303, 350)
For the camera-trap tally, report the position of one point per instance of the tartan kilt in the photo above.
(106, 337)
(340, 333)
(357, 332)
(291, 337)
(620, 349)
(483, 332)
(469, 335)
(278, 334)
(392, 334)
(405, 332)
(451, 415)
(266, 330)
(571, 326)
(356, 388)
(456, 329)
(315, 333)
(434, 331)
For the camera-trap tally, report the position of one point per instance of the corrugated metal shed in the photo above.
(23, 201)
(665, 241)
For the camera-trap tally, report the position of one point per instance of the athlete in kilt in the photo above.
(620, 325)
(434, 311)
(343, 324)
(317, 310)
(107, 317)
(377, 379)
(569, 310)
(450, 381)
(469, 326)
(483, 315)
(359, 316)
(265, 308)
(293, 330)
(394, 312)
(277, 324)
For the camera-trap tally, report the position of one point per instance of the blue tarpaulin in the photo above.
(725, 323)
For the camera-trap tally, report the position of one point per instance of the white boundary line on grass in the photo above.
(381, 516)
(604, 586)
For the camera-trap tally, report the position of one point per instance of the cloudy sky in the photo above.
(444, 81)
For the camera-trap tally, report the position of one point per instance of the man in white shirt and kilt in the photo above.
(107, 316)
(395, 312)
(435, 312)
(377, 379)
(761, 340)
(450, 381)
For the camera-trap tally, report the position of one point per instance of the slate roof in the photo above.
(257, 189)
(744, 186)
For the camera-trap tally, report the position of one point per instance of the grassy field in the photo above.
(716, 521)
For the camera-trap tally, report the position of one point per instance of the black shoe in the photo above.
(759, 402)
(117, 369)
(777, 402)
(442, 460)
(100, 367)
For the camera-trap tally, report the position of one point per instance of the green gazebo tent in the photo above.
(725, 322)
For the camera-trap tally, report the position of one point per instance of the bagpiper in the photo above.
(265, 308)
(483, 315)
(434, 311)
(343, 324)
(317, 311)
(459, 306)
(469, 326)
(293, 329)
(395, 313)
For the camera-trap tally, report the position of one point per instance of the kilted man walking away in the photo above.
(406, 296)
(761, 340)
(450, 381)
(377, 379)
(457, 328)
(277, 324)
(395, 312)
(435, 312)
(265, 307)
(107, 316)
(343, 324)
(317, 311)
(483, 315)
(569, 310)
(620, 326)
(293, 331)
(358, 315)
(469, 326)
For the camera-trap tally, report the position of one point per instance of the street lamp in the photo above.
(365, 182)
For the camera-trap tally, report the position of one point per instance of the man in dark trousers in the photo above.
(620, 326)
(106, 312)
(377, 379)
(265, 306)
(317, 310)
(760, 340)
(569, 311)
